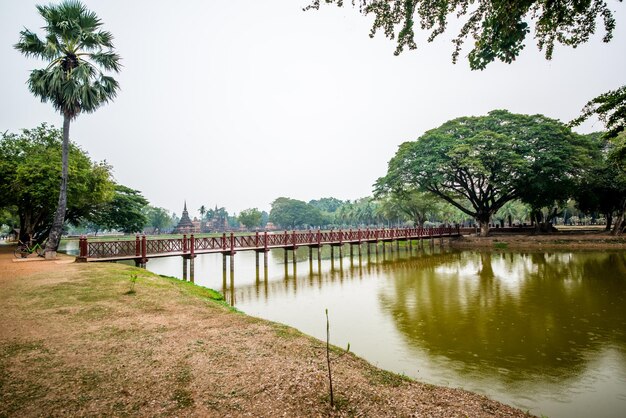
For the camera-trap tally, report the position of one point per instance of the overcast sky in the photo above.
(235, 103)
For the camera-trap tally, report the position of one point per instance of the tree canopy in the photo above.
(250, 218)
(124, 212)
(292, 213)
(498, 28)
(610, 107)
(30, 166)
(477, 164)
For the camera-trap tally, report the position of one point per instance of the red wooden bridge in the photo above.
(141, 249)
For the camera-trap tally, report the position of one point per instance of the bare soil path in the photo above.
(74, 341)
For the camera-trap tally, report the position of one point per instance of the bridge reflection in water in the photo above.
(302, 272)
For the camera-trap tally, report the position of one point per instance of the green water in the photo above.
(545, 332)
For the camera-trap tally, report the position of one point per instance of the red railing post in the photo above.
(184, 243)
(256, 240)
(137, 246)
(319, 236)
(340, 237)
(82, 247)
(224, 241)
(232, 243)
(192, 245)
(265, 238)
(285, 238)
(144, 248)
(295, 239)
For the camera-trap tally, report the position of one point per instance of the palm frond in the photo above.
(30, 45)
(108, 60)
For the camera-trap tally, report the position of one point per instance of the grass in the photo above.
(383, 377)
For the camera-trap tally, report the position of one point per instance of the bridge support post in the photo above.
(191, 270)
(332, 252)
(286, 256)
(232, 267)
(184, 269)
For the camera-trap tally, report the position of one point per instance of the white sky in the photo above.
(237, 102)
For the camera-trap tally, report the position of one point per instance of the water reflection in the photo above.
(531, 315)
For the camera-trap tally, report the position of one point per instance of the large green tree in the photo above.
(77, 52)
(30, 164)
(292, 213)
(159, 219)
(498, 28)
(250, 218)
(124, 212)
(477, 164)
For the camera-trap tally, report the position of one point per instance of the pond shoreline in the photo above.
(566, 240)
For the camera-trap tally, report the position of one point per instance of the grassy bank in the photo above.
(90, 339)
(557, 241)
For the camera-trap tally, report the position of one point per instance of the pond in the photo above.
(542, 331)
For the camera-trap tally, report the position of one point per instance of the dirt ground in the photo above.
(572, 238)
(76, 341)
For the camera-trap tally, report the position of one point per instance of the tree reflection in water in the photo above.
(526, 316)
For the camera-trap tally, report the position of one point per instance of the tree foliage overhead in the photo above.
(477, 164)
(498, 28)
(610, 107)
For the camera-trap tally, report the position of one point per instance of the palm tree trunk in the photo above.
(59, 217)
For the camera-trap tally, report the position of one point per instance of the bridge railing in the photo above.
(141, 247)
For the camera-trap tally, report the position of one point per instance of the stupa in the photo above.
(185, 225)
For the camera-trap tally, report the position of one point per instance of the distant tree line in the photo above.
(501, 168)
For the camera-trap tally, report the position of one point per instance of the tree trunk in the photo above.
(483, 220)
(59, 217)
(620, 221)
(609, 221)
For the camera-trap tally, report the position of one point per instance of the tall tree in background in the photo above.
(77, 52)
(124, 212)
(250, 218)
(202, 211)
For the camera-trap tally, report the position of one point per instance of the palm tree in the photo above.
(77, 52)
(202, 211)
